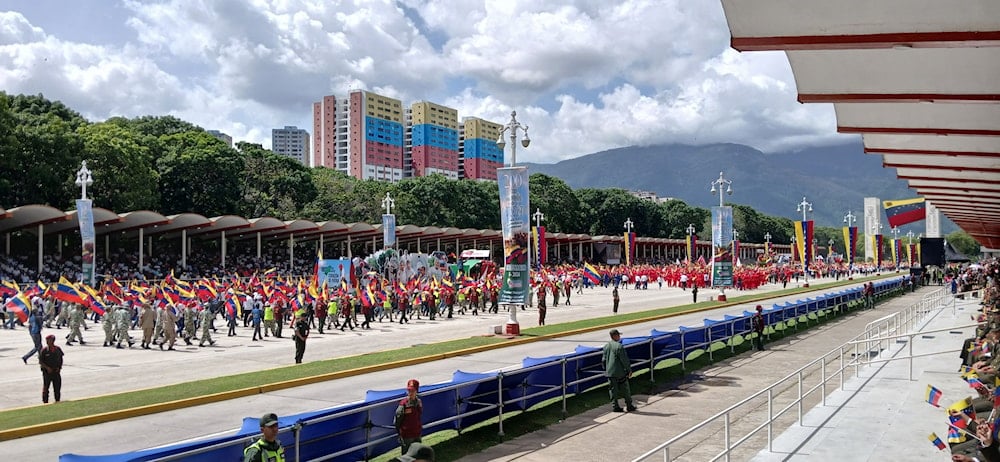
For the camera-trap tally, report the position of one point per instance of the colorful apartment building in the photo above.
(433, 140)
(371, 136)
(481, 157)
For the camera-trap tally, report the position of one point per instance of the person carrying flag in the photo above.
(35, 330)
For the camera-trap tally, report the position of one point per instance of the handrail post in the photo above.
(823, 377)
(652, 357)
(910, 346)
(500, 402)
(770, 419)
(564, 387)
(857, 361)
(800, 398)
(841, 367)
(728, 449)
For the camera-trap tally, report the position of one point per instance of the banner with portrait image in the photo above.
(722, 246)
(85, 214)
(516, 230)
(388, 230)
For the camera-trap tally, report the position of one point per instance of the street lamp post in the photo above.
(512, 127)
(628, 251)
(539, 216)
(804, 207)
(694, 245)
(728, 185)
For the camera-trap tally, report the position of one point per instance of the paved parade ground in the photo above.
(92, 370)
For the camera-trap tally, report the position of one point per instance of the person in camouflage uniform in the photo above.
(108, 324)
(63, 317)
(50, 312)
(123, 318)
(158, 331)
(76, 317)
(169, 327)
(190, 324)
(207, 316)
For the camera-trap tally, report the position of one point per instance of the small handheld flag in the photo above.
(933, 396)
(937, 441)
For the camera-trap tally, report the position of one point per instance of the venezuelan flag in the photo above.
(9, 288)
(901, 212)
(19, 305)
(933, 395)
(67, 292)
(937, 441)
(233, 306)
(591, 273)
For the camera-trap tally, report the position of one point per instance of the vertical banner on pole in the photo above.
(736, 251)
(897, 251)
(516, 230)
(389, 230)
(629, 249)
(803, 240)
(850, 242)
(85, 214)
(692, 241)
(767, 252)
(722, 239)
(538, 245)
(877, 242)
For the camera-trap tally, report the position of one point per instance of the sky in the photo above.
(584, 75)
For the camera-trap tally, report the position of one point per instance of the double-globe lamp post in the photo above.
(512, 127)
(804, 207)
(728, 184)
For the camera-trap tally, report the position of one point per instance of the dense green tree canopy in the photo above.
(167, 164)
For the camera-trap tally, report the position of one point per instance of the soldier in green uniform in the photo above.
(123, 318)
(267, 448)
(190, 324)
(75, 320)
(108, 323)
(207, 316)
(618, 370)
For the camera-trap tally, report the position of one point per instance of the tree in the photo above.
(554, 198)
(677, 216)
(273, 185)
(123, 170)
(199, 173)
(964, 243)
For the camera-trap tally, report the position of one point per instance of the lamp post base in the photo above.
(722, 296)
(512, 328)
(805, 284)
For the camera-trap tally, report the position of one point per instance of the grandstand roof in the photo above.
(916, 78)
(101, 217)
(28, 216)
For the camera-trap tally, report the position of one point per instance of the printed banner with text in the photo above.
(722, 246)
(85, 214)
(388, 230)
(516, 230)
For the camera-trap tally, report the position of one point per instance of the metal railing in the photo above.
(860, 348)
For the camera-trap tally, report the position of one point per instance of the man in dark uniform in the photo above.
(267, 448)
(614, 299)
(758, 328)
(407, 421)
(50, 358)
(618, 370)
(301, 333)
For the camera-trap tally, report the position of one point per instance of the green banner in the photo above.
(722, 246)
(515, 225)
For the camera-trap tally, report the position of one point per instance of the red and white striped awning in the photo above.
(918, 79)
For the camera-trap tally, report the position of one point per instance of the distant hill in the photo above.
(834, 179)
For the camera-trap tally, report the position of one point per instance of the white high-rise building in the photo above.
(291, 141)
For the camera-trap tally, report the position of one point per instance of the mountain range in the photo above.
(834, 179)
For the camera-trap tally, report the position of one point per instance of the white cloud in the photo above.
(585, 75)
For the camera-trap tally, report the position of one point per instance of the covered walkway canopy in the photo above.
(918, 79)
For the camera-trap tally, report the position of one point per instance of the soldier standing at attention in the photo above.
(50, 358)
(301, 334)
(618, 370)
(207, 316)
(408, 417)
(615, 299)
